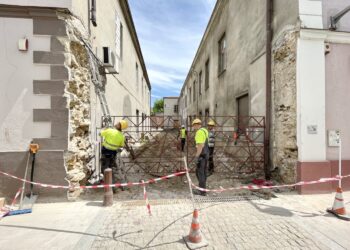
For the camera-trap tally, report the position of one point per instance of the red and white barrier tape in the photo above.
(146, 199)
(16, 196)
(129, 184)
(256, 187)
(5, 210)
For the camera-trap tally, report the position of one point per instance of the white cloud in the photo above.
(170, 32)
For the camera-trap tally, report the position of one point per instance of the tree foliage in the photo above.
(158, 106)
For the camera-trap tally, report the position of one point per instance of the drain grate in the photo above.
(226, 198)
(184, 201)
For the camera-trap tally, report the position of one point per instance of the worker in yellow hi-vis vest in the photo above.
(182, 134)
(202, 155)
(113, 141)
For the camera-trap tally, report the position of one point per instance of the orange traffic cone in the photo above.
(338, 208)
(195, 240)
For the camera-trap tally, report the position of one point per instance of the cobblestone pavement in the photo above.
(290, 221)
(247, 224)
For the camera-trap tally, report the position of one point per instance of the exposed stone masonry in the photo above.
(77, 91)
(284, 123)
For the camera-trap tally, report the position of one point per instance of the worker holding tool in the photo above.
(211, 145)
(182, 134)
(113, 142)
(202, 155)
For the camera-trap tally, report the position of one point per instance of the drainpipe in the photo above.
(269, 16)
(89, 17)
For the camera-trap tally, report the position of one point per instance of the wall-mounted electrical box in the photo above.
(23, 44)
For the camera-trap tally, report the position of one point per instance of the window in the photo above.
(189, 96)
(143, 89)
(207, 112)
(222, 55)
(137, 78)
(137, 120)
(118, 41)
(121, 41)
(200, 83)
(207, 75)
(243, 112)
(176, 109)
(185, 101)
(194, 91)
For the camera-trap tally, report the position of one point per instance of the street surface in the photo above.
(289, 221)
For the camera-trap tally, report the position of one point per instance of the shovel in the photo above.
(28, 201)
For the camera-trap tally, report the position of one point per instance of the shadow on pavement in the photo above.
(169, 225)
(280, 211)
(68, 231)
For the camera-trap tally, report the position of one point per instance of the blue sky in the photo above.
(169, 32)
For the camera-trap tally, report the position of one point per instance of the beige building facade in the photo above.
(228, 78)
(46, 94)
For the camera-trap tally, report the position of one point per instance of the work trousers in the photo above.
(201, 171)
(211, 160)
(183, 142)
(109, 160)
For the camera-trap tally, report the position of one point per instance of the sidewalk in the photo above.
(290, 221)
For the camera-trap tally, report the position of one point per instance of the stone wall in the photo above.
(284, 153)
(79, 155)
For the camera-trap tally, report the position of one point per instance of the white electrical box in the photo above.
(23, 44)
(333, 138)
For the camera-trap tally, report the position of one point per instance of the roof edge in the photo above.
(129, 21)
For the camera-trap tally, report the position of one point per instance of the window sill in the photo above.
(221, 73)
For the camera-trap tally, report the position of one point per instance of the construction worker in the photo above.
(211, 145)
(113, 142)
(182, 134)
(202, 154)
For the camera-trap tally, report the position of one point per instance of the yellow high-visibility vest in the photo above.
(112, 138)
(183, 133)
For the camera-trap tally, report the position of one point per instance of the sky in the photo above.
(169, 32)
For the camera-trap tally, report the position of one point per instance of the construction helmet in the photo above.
(182, 126)
(211, 123)
(196, 121)
(123, 124)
